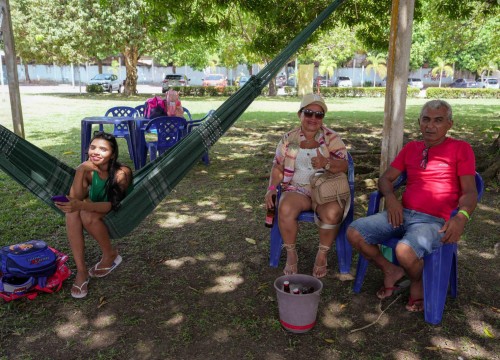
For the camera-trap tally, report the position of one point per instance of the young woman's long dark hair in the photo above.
(114, 192)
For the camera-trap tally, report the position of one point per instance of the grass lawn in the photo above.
(195, 281)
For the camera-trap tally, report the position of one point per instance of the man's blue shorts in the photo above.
(419, 230)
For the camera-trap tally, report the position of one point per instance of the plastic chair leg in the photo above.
(131, 150)
(360, 273)
(205, 158)
(275, 248)
(437, 278)
(344, 251)
(152, 151)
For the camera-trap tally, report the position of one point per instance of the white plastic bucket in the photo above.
(298, 312)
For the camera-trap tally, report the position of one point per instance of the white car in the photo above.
(109, 82)
(343, 81)
(416, 83)
(488, 83)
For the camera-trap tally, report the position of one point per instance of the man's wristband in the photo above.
(464, 213)
(271, 188)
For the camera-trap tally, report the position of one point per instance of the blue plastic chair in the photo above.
(440, 267)
(169, 130)
(121, 130)
(140, 110)
(342, 246)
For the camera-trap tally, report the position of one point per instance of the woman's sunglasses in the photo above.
(309, 114)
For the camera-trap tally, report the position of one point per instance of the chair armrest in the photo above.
(376, 196)
(193, 123)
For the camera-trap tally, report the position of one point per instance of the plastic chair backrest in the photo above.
(140, 110)
(121, 130)
(169, 130)
(376, 196)
(186, 111)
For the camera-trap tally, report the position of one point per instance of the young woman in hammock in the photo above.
(99, 185)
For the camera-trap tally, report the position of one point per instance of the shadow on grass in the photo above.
(195, 281)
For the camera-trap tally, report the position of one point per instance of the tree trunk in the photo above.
(131, 58)
(272, 87)
(99, 66)
(493, 166)
(27, 74)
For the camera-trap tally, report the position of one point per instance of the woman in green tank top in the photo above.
(99, 185)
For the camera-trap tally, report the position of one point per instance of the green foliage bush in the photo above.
(94, 88)
(362, 92)
(454, 93)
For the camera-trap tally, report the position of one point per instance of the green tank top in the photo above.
(97, 191)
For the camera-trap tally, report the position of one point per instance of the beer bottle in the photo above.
(270, 214)
(286, 286)
(296, 291)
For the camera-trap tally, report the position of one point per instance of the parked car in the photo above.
(488, 83)
(416, 83)
(243, 80)
(217, 80)
(323, 81)
(109, 82)
(173, 80)
(343, 81)
(463, 83)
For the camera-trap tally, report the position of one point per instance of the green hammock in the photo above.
(44, 175)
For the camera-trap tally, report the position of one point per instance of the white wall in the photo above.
(148, 74)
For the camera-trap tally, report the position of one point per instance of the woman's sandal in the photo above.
(320, 271)
(415, 305)
(83, 290)
(290, 269)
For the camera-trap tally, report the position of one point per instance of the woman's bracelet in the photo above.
(271, 188)
(464, 213)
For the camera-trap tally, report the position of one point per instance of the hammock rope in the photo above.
(44, 175)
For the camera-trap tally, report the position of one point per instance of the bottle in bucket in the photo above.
(286, 286)
(296, 291)
(270, 214)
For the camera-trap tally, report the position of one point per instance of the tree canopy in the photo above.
(203, 32)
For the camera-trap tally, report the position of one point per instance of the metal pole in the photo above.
(11, 65)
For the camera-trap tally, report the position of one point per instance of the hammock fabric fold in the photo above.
(45, 176)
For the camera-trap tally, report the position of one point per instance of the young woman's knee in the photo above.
(90, 218)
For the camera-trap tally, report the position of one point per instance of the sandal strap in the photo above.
(289, 247)
(323, 248)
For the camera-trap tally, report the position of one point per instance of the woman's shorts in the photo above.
(419, 230)
(299, 188)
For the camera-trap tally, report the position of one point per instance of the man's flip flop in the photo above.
(93, 272)
(396, 289)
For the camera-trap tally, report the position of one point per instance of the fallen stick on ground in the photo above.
(382, 313)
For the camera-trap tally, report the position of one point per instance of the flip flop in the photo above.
(83, 292)
(415, 305)
(396, 289)
(93, 271)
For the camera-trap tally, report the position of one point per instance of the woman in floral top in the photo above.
(299, 155)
